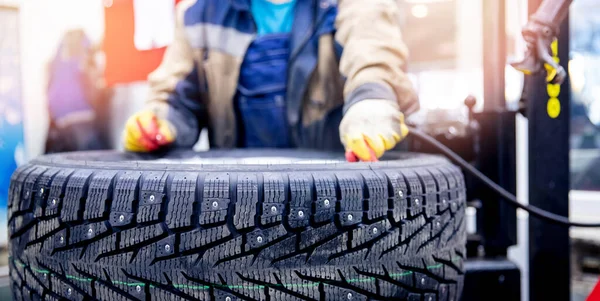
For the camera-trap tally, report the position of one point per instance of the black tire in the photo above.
(87, 226)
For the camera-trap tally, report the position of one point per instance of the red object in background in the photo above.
(124, 63)
(595, 295)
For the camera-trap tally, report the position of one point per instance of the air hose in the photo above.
(506, 196)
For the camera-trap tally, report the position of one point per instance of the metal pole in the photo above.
(497, 222)
(549, 116)
(494, 53)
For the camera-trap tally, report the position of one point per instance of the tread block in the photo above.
(57, 189)
(20, 223)
(124, 195)
(33, 282)
(133, 289)
(153, 188)
(443, 292)
(105, 292)
(363, 282)
(90, 269)
(273, 205)
(135, 236)
(453, 293)
(300, 199)
(27, 195)
(149, 213)
(445, 228)
(42, 188)
(389, 289)
(227, 249)
(249, 290)
(449, 175)
(195, 290)
(351, 202)
(46, 227)
(29, 188)
(159, 294)
(221, 295)
(16, 185)
(326, 201)
(75, 194)
(152, 196)
(99, 192)
(216, 192)
(279, 249)
(144, 257)
(42, 277)
(377, 188)
(100, 247)
(26, 293)
(259, 238)
(65, 289)
(385, 246)
(399, 203)
(298, 284)
(68, 255)
(425, 282)
(452, 191)
(430, 200)
(247, 199)
(323, 253)
(183, 199)
(416, 194)
(335, 292)
(459, 188)
(16, 290)
(275, 294)
(285, 247)
(202, 237)
(366, 233)
(138, 292)
(420, 240)
(443, 189)
(410, 227)
(434, 267)
(313, 236)
(82, 282)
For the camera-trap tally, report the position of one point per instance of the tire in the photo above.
(102, 226)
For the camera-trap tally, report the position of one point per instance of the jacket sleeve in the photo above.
(176, 91)
(374, 55)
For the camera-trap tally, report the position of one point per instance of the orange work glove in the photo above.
(144, 132)
(370, 127)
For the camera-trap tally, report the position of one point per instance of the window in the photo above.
(584, 74)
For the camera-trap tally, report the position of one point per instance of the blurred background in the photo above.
(100, 51)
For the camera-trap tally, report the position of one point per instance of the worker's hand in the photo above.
(372, 126)
(144, 132)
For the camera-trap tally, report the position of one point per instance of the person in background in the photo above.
(72, 94)
(319, 74)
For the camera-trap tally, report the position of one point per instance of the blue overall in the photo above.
(262, 86)
(261, 93)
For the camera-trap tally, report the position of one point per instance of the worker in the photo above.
(73, 93)
(280, 74)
